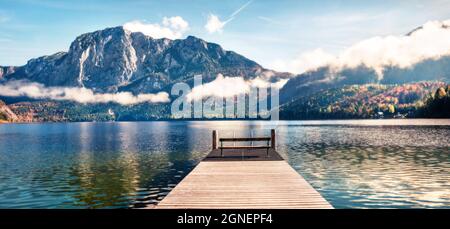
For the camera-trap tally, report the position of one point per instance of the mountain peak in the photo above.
(191, 37)
(115, 59)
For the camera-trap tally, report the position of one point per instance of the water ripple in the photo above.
(353, 164)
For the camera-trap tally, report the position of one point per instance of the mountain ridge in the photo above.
(115, 59)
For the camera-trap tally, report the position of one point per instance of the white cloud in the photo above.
(221, 87)
(224, 86)
(214, 24)
(261, 83)
(431, 41)
(171, 27)
(77, 94)
(306, 61)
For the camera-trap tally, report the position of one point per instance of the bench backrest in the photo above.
(270, 139)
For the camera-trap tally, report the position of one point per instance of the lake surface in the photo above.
(353, 164)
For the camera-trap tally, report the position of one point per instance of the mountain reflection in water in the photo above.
(353, 164)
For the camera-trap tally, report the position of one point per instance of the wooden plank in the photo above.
(245, 147)
(214, 139)
(243, 185)
(243, 154)
(272, 138)
(244, 139)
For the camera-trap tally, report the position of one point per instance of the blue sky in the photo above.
(266, 31)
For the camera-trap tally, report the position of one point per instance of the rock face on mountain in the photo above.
(6, 71)
(6, 114)
(115, 59)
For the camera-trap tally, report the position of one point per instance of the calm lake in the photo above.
(353, 164)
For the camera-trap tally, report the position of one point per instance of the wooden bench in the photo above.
(270, 142)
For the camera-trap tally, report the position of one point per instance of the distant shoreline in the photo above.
(221, 120)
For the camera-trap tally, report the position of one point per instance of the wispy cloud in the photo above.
(235, 13)
(214, 24)
(170, 27)
(77, 94)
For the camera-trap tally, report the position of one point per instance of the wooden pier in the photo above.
(251, 177)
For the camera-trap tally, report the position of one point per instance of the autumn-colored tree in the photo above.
(440, 93)
(391, 108)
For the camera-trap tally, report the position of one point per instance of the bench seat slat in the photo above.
(244, 147)
(244, 139)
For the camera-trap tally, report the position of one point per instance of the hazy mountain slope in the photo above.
(324, 78)
(361, 101)
(421, 55)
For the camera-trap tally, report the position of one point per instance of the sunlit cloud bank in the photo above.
(77, 94)
(431, 41)
(171, 27)
(224, 87)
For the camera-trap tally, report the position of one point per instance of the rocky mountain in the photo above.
(115, 59)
